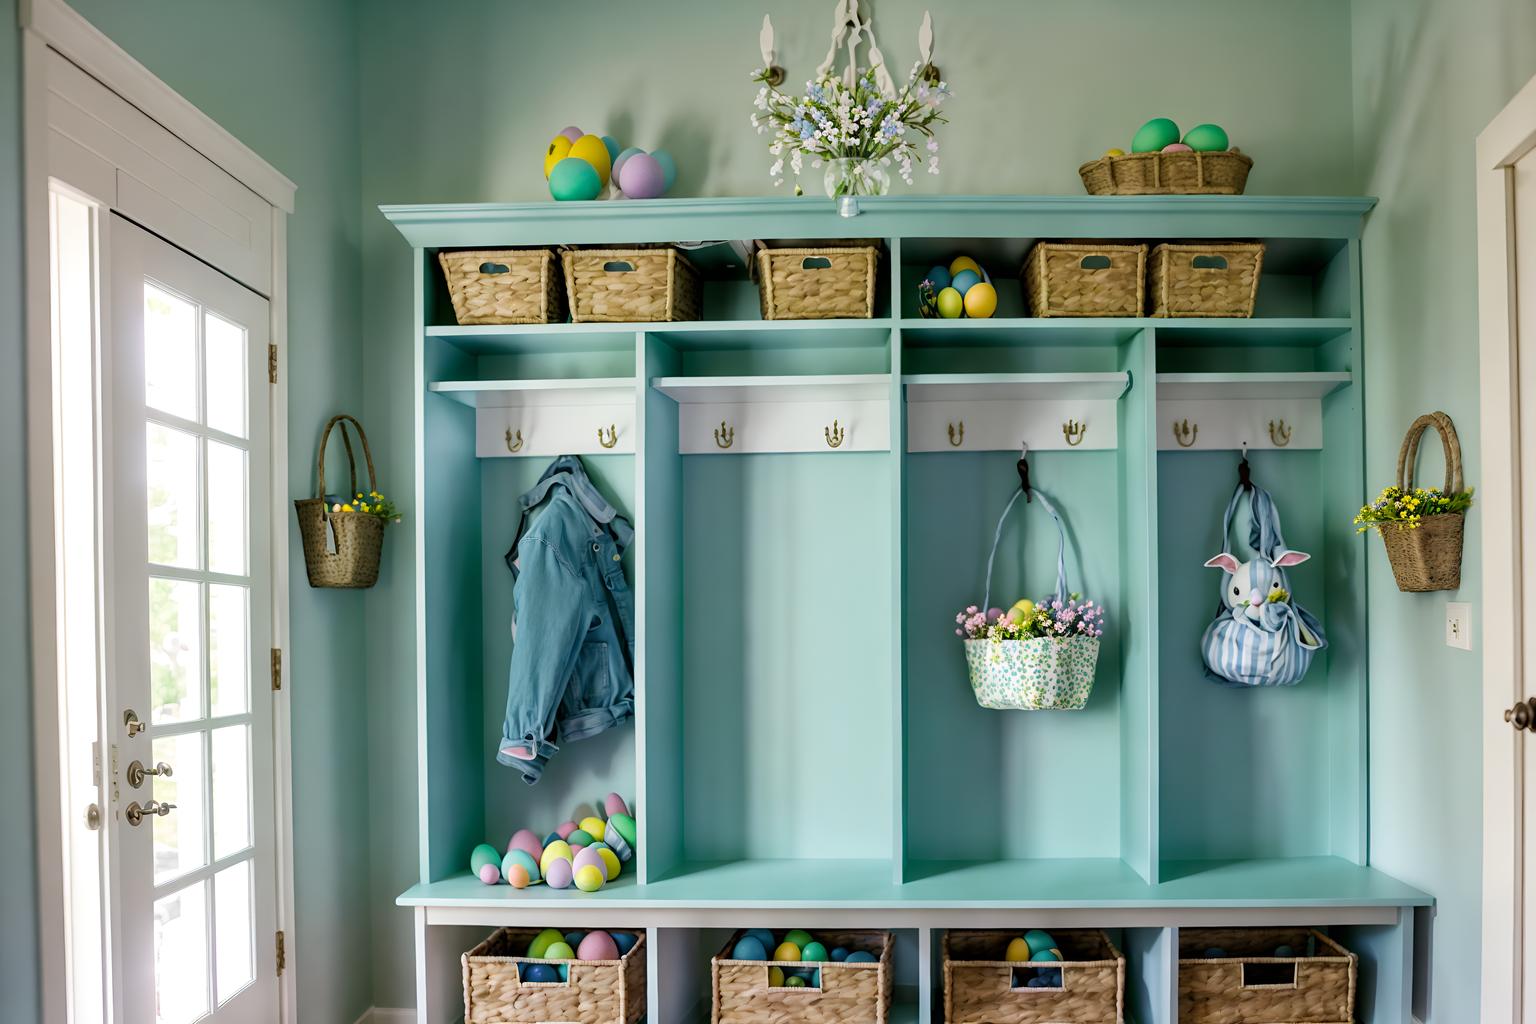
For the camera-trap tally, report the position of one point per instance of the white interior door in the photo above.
(189, 637)
(1524, 179)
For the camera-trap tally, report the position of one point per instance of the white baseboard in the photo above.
(381, 1015)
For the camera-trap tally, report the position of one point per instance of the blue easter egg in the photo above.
(764, 936)
(939, 277)
(749, 947)
(540, 973)
(612, 145)
(1284, 951)
(573, 939)
(573, 179)
(624, 940)
(553, 837)
(962, 282)
(839, 954)
(1038, 940)
(860, 957)
(668, 167)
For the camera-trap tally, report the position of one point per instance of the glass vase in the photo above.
(856, 176)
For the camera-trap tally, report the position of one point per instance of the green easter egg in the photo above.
(559, 951)
(1150, 138)
(573, 179)
(794, 982)
(1206, 138)
(626, 827)
(581, 837)
(951, 303)
(814, 951)
(799, 936)
(539, 947)
(482, 855)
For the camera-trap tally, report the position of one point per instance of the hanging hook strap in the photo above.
(1023, 468)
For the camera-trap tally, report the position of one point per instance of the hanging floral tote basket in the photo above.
(341, 548)
(1426, 552)
(1041, 673)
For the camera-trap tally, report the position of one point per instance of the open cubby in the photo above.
(809, 518)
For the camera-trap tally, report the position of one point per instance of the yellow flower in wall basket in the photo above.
(344, 540)
(1422, 526)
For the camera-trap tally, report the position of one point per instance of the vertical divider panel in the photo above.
(678, 978)
(1385, 987)
(1151, 974)
(448, 599)
(898, 414)
(1137, 458)
(658, 616)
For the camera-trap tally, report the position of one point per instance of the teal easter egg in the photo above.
(1039, 940)
(1046, 956)
(625, 941)
(964, 280)
(1152, 136)
(749, 947)
(668, 167)
(573, 939)
(581, 837)
(762, 935)
(612, 145)
(523, 859)
(860, 957)
(798, 936)
(1206, 138)
(482, 855)
(1285, 952)
(813, 951)
(574, 180)
(839, 954)
(939, 277)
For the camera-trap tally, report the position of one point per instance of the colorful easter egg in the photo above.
(1206, 138)
(482, 855)
(787, 951)
(1176, 147)
(524, 839)
(540, 974)
(613, 803)
(588, 856)
(593, 826)
(643, 177)
(557, 850)
(522, 859)
(574, 180)
(591, 149)
(1018, 951)
(625, 941)
(542, 942)
(860, 957)
(1154, 135)
(960, 263)
(558, 875)
(626, 826)
(1039, 940)
(951, 303)
(611, 864)
(775, 977)
(1284, 952)
(571, 132)
(1114, 151)
(799, 936)
(565, 828)
(980, 301)
(749, 947)
(581, 837)
(1046, 956)
(813, 951)
(598, 945)
(618, 168)
(590, 878)
(668, 168)
(762, 935)
(965, 281)
(517, 876)
(794, 982)
(490, 874)
(559, 149)
(617, 843)
(839, 954)
(559, 951)
(614, 149)
(939, 277)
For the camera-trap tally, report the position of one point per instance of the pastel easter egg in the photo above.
(861, 957)
(581, 837)
(1154, 135)
(540, 974)
(613, 803)
(980, 301)
(1046, 956)
(575, 180)
(814, 951)
(939, 277)
(482, 855)
(787, 951)
(951, 304)
(490, 874)
(542, 942)
(557, 850)
(520, 859)
(598, 945)
(559, 951)
(668, 168)
(593, 826)
(1018, 951)
(559, 148)
(1038, 939)
(762, 935)
(749, 947)
(611, 864)
(618, 168)
(960, 263)
(571, 132)
(524, 839)
(559, 874)
(799, 936)
(612, 145)
(626, 826)
(617, 843)
(625, 941)
(553, 837)
(643, 177)
(1206, 138)
(590, 878)
(565, 828)
(1176, 147)
(517, 876)
(1114, 151)
(775, 977)
(965, 281)
(592, 149)
(587, 856)
(839, 954)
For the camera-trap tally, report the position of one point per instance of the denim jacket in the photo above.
(573, 620)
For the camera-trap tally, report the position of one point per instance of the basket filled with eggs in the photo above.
(822, 283)
(1162, 162)
(1258, 975)
(1070, 976)
(586, 977)
(832, 977)
(961, 289)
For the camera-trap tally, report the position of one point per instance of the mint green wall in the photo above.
(1428, 77)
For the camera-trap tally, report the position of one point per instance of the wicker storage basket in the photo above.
(1085, 279)
(849, 993)
(1428, 557)
(504, 286)
(1253, 986)
(979, 989)
(1145, 174)
(631, 285)
(341, 549)
(1209, 279)
(817, 284)
(595, 991)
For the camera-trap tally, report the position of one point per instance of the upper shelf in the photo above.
(744, 390)
(907, 216)
(1014, 387)
(1233, 386)
(492, 394)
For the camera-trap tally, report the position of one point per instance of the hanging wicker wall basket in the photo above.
(341, 549)
(1428, 556)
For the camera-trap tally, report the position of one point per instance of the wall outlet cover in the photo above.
(1458, 625)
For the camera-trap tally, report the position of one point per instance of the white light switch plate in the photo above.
(1458, 625)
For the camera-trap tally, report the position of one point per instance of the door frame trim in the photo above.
(53, 24)
(1508, 137)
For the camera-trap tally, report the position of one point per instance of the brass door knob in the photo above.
(136, 814)
(137, 772)
(1522, 715)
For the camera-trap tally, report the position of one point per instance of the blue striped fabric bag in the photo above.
(1260, 636)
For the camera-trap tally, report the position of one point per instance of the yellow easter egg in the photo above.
(787, 951)
(590, 878)
(950, 303)
(593, 827)
(1018, 951)
(980, 300)
(1112, 151)
(594, 151)
(611, 862)
(775, 977)
(960, 263)
(557, 850)
(559, 149)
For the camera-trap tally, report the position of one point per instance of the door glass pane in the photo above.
(227, 505)
(231, 790)
(175, 650)
(232, 929)
(179, 845)
(228, 649)
(181, 955)
(170, 353)
(225, 367)
(171, 481)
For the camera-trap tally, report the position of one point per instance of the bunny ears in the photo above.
(1230, 563)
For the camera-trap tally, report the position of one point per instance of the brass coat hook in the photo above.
(1279, 433)
(834, 435)
(725, 437)
(514, 448)
(957, 437)
(1183, 429)
(1073, 431)
(612, 437)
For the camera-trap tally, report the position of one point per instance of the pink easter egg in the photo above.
(572, 132)
(490, 874)
(614, 804)
(598, 945)
(643, 177)
(565, 829)
(559, 873)
(578, 847)
(1177, 147)
(524, 839)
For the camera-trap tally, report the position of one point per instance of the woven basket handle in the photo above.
(343, 419)
(1408, 455)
